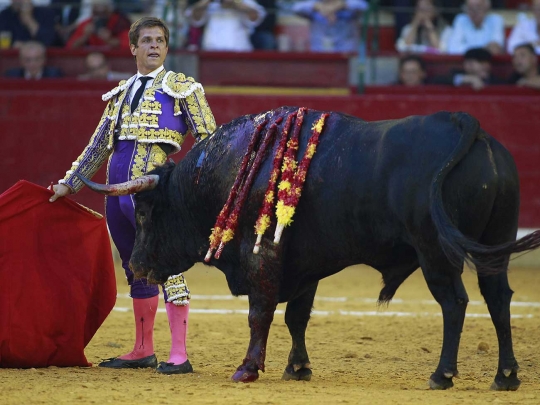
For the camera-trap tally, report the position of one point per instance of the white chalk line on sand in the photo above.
(219, 311)
(198, 297)
(383, 313)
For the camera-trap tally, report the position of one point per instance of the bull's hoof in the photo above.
(302, 374)
(502, 383)
(244, 375)
(438, 382)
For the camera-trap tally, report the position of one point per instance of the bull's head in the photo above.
(153, 255)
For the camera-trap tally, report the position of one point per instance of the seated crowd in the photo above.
(245, 25)
(476, 70)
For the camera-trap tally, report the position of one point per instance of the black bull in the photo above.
(425, 191)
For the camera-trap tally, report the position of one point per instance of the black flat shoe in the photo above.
(145, 362)
(170, 368)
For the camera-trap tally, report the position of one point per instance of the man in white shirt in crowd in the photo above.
(228, 24)
(527, 30)
(477, 28)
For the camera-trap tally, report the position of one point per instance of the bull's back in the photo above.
(367, 194)
(377, 173)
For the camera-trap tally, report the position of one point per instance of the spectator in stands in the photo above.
(67, 13)
(263, 36)
(526, 70)
(527, 30)
(33, 57)
(427, 32)
(97, 68)
(105, 28)
(412, 71)
(228, 24)
(28, 23)
(476, 71)
(173, 14)
(477, 28)
(334, 23)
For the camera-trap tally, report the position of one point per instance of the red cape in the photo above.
(57, 282)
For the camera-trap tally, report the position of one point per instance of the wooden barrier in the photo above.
(274, 69)
(285, 69)
(46, 124)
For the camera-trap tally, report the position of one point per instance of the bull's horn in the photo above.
(142, 183)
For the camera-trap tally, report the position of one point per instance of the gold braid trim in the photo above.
(190, 95)
(93, 155)
(177, 85)
(177, 290)
(147, 157)
(200, 120)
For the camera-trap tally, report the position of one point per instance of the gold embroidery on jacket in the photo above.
(93, 155)
(202, 122)
(147, 156)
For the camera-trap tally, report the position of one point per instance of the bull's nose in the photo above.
(138, 270)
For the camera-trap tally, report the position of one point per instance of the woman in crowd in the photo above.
(427, 32)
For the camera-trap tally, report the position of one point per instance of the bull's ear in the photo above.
(147, 182)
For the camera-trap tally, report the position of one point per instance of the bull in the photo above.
(431, 191)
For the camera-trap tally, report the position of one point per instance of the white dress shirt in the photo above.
(525, 31)
(138, 83)
(465, 35)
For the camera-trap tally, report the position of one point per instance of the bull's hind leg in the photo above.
(497, 293)
(444, 282)
(501, 228)
(297, 317)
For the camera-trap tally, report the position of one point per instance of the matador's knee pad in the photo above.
(177, 290)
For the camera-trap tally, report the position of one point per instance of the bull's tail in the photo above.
(457, 247)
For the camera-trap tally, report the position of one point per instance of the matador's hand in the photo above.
(60, 190)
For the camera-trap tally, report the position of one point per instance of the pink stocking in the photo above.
(178, 322)
(145, 313)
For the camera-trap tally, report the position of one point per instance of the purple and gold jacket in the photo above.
(171, 107)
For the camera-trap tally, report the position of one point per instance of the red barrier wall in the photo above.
(45, 125)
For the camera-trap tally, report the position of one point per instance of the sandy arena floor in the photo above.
(365, 355)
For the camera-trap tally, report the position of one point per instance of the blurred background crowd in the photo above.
(475, 30)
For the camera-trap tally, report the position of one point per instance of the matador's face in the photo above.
(151, 49)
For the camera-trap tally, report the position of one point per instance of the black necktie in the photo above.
(139, 92)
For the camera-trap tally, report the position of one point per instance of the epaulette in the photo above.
(121, 86)
(179, 86)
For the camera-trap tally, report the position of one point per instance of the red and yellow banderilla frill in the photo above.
(265, 213)
(232, 221)
(291, 190)
(217, 230)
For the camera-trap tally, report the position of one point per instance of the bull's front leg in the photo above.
(261, 313)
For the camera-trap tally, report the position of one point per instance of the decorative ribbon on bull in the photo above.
(265, 213)
(232, 221)
(217, 230)
(292, 180)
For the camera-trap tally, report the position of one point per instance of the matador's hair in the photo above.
(147, 22)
